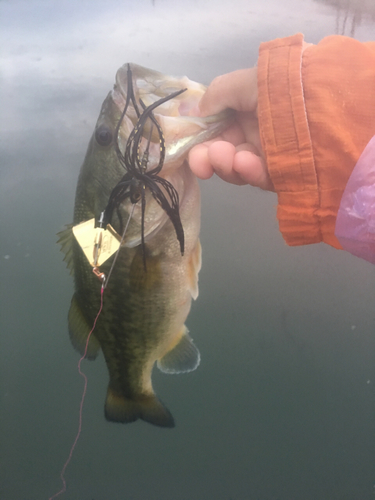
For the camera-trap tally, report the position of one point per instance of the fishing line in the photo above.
(104, 285)
(105, 281)
(62, 474)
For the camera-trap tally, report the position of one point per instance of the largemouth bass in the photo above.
(148, 295)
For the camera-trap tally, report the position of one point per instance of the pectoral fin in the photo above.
(66, 245)
(195, 265)
(79, 331)
(183, 357)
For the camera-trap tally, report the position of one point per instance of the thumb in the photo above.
(237, 90)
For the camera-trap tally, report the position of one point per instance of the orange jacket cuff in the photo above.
(313, 127)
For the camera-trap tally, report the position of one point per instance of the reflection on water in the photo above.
(351, 13)
(282, 406)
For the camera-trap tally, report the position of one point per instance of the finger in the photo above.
(198, 156)
(233, 134)
(236, 90)
(252, 170)
(199, 162)
(221, 156)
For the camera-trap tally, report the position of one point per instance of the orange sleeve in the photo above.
(316, 115)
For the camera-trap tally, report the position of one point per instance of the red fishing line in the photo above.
(63, 489)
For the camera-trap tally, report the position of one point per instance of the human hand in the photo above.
(236, 155)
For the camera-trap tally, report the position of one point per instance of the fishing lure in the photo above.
(137, 179)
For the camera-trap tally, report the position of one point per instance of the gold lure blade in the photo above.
(98, 244)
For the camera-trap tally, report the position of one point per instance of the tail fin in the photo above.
(147, 407)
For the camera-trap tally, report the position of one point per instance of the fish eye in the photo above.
(103, 135)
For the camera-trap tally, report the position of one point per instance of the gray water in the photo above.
(282, 406)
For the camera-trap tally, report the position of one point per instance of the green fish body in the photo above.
(144, 309)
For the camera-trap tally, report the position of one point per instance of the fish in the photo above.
(148, 295)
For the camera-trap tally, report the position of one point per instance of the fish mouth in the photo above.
(178, 117)
(150, 86)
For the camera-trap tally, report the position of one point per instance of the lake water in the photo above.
(282, 406)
